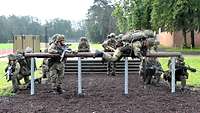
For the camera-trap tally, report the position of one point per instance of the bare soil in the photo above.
(103, 94)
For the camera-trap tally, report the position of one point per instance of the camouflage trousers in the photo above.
(111, 68)
(45, 71)
(113, 58)
(56, 75)
(167, 76)
(16, 81)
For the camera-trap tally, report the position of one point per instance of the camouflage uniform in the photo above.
(56, 67)
(109, 45)
(181, 73)
(84, 45)
(151, 67)
(135, 46)
(151, 71)
(17, 71)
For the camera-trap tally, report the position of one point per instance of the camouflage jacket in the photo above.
(109, 43)
(83, 47)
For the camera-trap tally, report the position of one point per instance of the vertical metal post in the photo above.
(126, 77)
(32, 77)
(173, 75)
(79, 77)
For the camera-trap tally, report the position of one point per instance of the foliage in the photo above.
(133, 14)
(170, 15)
(99, 22)
(17, 25)
(175, 15)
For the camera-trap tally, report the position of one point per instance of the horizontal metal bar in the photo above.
(89, 54)
(164, 54)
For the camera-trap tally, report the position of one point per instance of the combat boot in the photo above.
(15, 90)
(60, 90)
(113, 73)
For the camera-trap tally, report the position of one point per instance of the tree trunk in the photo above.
(192, 39)
(185, 39)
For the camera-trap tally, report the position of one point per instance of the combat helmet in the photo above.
(60, 38)
(28, 50)
(112, 35)
(11, 57)
(108, 36)
(83, 39)
(181, 58)
(53, 38)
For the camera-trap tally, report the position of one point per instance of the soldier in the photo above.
(12, 72)
(151, 67)
(134, 44)
(151, 71)
(109, 45)
(181, 73)
(56, 67)
(84, 45)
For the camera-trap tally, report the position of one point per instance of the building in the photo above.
(176, 39)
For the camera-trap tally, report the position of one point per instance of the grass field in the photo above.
(182, 49)
(6, 46)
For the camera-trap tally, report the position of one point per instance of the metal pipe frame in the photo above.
(89, 54)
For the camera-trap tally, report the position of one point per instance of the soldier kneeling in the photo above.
(181, 73)
(13, 73)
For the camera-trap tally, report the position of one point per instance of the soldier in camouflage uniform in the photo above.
(109, 45)
(18, 72)
(84, 45)
(134, 44)
(181, 73)
(150, 68)
(13, 72)
(56, 67)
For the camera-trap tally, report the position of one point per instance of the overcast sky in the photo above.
(46, 9)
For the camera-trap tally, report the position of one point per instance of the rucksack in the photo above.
(24, 67)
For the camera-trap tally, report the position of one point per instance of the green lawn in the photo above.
(6, 46)
(181, 49)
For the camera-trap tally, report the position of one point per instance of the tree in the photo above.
(99, 20)
(175, 15)
(133, 14)
(17, 25)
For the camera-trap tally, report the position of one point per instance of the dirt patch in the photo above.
(103, 94)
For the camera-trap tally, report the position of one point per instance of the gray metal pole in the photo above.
(32, 77)
(126, 77)
(79, 77)
(173, 85)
